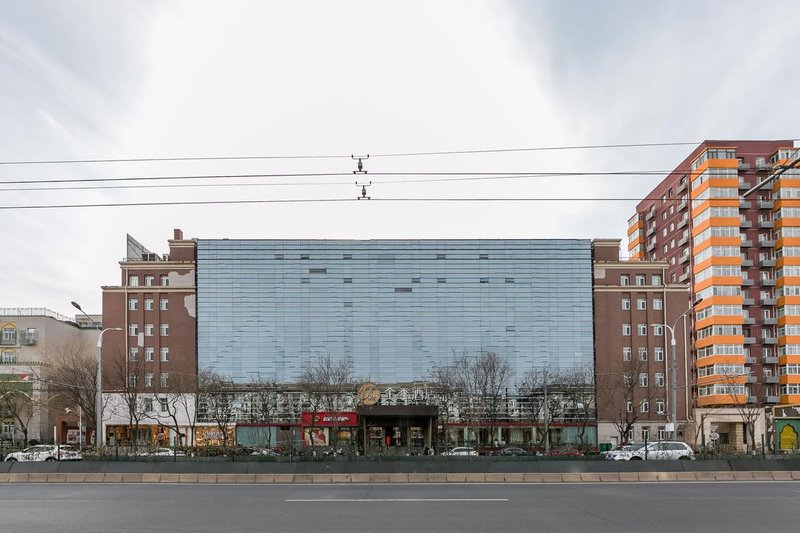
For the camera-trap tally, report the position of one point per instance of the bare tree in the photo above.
(128, 379)
(444, 380)
(747, 402)
(325, 381)
(579, 399)
(262, 404)
(217, 397)
(71, 371)
(541, 389)
(16, 402)
(622, 395)
(491, 374)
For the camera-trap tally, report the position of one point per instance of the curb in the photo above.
(609, 477)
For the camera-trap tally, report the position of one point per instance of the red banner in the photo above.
(328, 419)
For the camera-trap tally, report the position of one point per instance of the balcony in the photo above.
(766, 223)
(767, 282)
(681, 186)
(752, 399)
(682, 205)
(770, 322)
(651, 246)
(773, 399)
(750, 379)
(763, 167)
(770, 360)
(649, 215)
(749, 340)
(766, 243)
(683, 222)
(769, 340)
(743, 185)
(749, 320)
(771, 379)
(744, 167)
(745, 204)
(650, 231)
(682, 259)
(767, 301)
(747, 262)
(683, 241)
(747, 282)
(765, 204)
(745, 224)
(746, 243)
(749, 360)
(683, 277)
(749, 301)
(768, 263)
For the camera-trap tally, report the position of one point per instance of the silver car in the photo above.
(662, 450)
(46, 452)
(463, 451)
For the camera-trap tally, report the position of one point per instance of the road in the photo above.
(625, 507)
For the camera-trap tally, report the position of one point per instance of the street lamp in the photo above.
(99, 392)
(674, 370)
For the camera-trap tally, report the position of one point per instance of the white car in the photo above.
(46, 452)
(462, 451)
(162, 452)
(663, 450)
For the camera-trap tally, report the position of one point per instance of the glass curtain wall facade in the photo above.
(395, 307)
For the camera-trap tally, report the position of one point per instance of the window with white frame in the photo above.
(163, 403)
(658, 353)
(148, 353)
(662, 433)
(626, 304)
(658, 329)
(132, 380)
(642, 329)
(641, 279)
(148, 379)
(656, 279)
(645, 433)
(133, 281)
(148, 405)
(624, 279)
(164, 379)
(164, 353)
(642, 354)
(148, 330)
(629, 406)
(626, 353)
(164, 281)
(133, 329)
(641, 304)
(659, 379)
(643, 379)
(164, 304)
(148, 281)
(148, 304)
(133, 354)
(644, 406)
(133, 304)
(164, 330)
(626, 329)
(660, 408)
(658, 304)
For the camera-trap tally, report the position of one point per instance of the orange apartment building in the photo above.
(741, 256)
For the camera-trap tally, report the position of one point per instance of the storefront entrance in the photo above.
(397, 429)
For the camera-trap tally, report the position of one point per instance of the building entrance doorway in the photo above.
(397, 429)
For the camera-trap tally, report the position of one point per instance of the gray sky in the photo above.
(93, 79)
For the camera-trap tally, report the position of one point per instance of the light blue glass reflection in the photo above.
(396, 307)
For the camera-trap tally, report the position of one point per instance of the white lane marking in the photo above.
(338, 500)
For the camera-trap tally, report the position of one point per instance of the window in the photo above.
(658, 353)
(148, 330)
(641, 329)
(645, 433)
(484, 280)
(133, 304)
(148, 379)
(441, 280)
(659, 379)
(642, 354)
(660, 411)
(641, 304)
(656, 279)
(164, 330)
(662, 434)
(624, 279)
(163, 304)
(626, 303)
(164, 279)
(133, 354)
(132, 380)
(133, 329)
(164, 354)
(658, 329)
(148, 405)
(629, 408)
(163, 404)
(658, 304)
(9, 356)
(626, 353)
(133, 281)
(643, 380)
(164, 379)
(148, 304)
(148, 353)
(9, 335)
(347, 280)
(640, 279)
(148, 281)
(644, 407)
(440, 256)
(626, 329)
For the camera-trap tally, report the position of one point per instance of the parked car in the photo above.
(162, 452)
(663, 450)
(46, 452)
(462, 451)
(511, 451)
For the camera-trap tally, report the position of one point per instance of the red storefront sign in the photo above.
(328, 419)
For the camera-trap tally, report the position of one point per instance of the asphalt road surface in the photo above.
(597, 508)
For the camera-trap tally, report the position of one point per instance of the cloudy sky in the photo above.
(120, 80)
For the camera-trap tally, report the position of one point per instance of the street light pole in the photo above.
(98, 406)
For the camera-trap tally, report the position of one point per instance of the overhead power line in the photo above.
(346, 156)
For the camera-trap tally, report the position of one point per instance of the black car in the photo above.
(511, 451)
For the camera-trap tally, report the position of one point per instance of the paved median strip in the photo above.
(584, 477)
